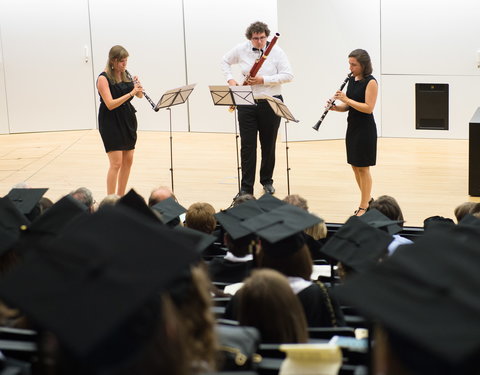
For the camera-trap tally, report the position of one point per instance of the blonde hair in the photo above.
(318, 231)
(116, 54)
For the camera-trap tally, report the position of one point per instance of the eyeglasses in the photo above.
(259, 38)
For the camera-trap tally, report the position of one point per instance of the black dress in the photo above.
(361, 138)
(118, 127)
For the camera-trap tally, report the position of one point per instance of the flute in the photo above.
(143, 91)
(332, 103)
(258, 63)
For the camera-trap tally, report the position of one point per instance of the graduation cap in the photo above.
(281, 228)
(376, 219)
(11, 219)
(268, 202)
(7, 240)
(53, 220)
(230, 219)
(169, 209)
(357, 244)
(136, 202)
(426, 293)
(95, 275)
(26, 199)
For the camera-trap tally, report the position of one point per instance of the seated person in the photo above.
(200, 216)
(389, 207)
(424, 326)
(267, 303)
(315, 235)
(282, 248)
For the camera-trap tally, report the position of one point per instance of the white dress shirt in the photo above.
(275, 69)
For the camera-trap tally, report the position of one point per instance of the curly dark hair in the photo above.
(257, 27)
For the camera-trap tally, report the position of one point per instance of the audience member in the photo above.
(315, 235)
(84, 195)
(426, 327)
(357, 246)
(283, 249)
(101, 270)
(278, 314)
(159, 194)
(109, 200)
(201, 216)
(437, 222)
(389, 207)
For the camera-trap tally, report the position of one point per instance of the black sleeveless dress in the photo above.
(118, 127)
(361, 137)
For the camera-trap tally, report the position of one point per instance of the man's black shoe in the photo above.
(269, 189)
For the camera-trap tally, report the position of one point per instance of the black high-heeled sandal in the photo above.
(360, 209)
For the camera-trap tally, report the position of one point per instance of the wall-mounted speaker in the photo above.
(431, 106)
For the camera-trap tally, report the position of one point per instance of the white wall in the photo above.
(429, 41)
(152, 33)
(47, 66)
(318, 36)
(49, 86)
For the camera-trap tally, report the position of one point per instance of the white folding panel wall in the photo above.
(47, 63)
(152, 33)
(318, 36)
(52, 51)
(213, 27)
(429, 41)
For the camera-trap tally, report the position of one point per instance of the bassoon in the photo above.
(258, 63)
(331, 104)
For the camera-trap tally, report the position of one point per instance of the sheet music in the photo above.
(280, 109)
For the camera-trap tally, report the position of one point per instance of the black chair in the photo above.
(19, 344)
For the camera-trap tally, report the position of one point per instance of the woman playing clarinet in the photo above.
(117, 121)
(361, 137)
(259, 119)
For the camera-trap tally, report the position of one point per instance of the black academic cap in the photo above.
(95, 275)
(357, 244)
(281, 228)
(136, 202)
(230, 219)
(199, 241)
(378, 220)
(268, 202)
(470, 220)
(426, 292)
(26, 199)
(53, 220)
(11, 219)
(169, 209)
(7, 240)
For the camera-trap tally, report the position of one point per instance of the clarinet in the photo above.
(332, 103)
(143, 91)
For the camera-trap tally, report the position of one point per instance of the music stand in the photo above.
(169, 99)
(233, 96)
(281, 110)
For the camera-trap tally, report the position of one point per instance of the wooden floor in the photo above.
(427, 177)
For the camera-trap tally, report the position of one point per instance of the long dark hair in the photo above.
(278, 313)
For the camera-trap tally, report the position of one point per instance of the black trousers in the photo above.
(262, 120)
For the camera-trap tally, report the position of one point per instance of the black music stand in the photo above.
(281, 110)
(169, 99)
(233, 96)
